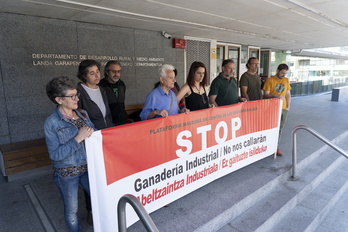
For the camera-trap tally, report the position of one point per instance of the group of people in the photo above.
(277, 86)
(224, 90)
(95, 104)
(166, 98)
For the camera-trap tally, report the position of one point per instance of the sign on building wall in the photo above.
(62, 59)
(47, 48)
(161, 160)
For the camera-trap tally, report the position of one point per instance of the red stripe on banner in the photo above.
(135, 147)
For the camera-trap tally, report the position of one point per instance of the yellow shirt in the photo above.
(278, 86)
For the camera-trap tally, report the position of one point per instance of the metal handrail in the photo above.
(138, 208)
(316, 134)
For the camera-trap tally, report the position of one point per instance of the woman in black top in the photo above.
(194, 89)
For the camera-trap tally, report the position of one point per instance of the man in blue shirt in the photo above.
(161, 102)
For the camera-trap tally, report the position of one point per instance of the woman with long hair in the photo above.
(194, 89)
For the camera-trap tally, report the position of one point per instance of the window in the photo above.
(220, 56)
(265, 63)
(234, 54)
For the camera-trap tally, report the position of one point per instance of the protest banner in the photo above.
(160, 160)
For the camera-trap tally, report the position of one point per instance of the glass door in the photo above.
(234, 54)
(254, 52)
(265, 63)
(220, 56)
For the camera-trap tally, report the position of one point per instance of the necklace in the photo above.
(68, 116)
(199, 92)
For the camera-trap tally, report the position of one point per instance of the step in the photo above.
(265, 213)
(218, 204)
(310, 212)
(337, 219)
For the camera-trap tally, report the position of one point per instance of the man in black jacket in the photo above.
(115, 91)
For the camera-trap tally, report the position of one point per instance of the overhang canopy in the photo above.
(273, 24)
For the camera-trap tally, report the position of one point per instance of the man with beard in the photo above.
(224, 88)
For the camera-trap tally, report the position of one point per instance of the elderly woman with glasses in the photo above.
(65, 131)
(194, 88)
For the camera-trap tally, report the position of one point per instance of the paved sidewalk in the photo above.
(34, 205)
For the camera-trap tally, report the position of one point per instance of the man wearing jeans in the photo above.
(278, 86)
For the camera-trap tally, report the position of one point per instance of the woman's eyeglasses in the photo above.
(73, 97)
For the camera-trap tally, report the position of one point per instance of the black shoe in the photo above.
(89, 219)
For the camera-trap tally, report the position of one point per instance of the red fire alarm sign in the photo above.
(179, 43)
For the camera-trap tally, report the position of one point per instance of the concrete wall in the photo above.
(33, 50)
